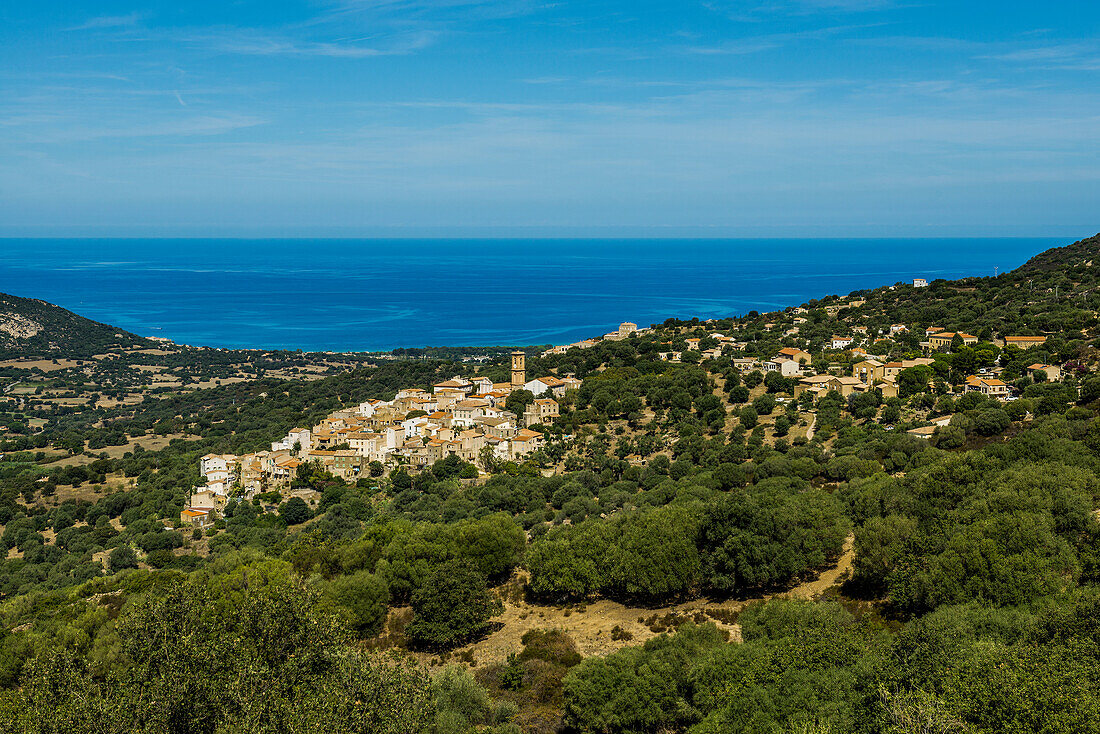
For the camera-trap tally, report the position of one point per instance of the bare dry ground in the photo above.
(46, 365)
(149, 443)
(590, 625)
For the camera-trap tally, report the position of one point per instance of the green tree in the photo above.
(198, 665)
(365, 597)
(913, 380)
(121, 558)
(639, 689)
(748, 417)
(454, 604)
(655, 555)
(518, 400)
(295, 511)
(769, 535)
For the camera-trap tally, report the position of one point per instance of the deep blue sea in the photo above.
(357, 295)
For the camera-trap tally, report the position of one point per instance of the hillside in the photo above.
(33, 328)
(704, 537)
(1082, 252)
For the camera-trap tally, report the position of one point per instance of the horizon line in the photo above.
(609, 238)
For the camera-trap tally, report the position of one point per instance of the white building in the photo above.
(368, 408)
(296, 437)
(785, 367)
(219, 469)
(842, 342)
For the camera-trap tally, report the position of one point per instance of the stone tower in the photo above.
(519, 370)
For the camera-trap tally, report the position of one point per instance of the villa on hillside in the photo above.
(1052, 371)
(744, 365)
(798, 355)
(814, 384)
(988, 386)
(196, 517)
(869, 370)
(943, 339)
(542, 410)
(891, 369)
(784, 366)
(841, 342)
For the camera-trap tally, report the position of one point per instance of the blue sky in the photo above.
(378, 117)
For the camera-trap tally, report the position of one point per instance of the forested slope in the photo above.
(972, 605)
(34, 328)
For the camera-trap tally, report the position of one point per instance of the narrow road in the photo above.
(810, 430)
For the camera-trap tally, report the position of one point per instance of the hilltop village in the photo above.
(481, 422)
(467, 418)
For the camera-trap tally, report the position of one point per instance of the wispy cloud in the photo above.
(252, 42)
(354, 29)
(439, 8)
(60, 129)
(767, 42)
(109, 21)
(850, 6)
(348, 29)
(531, 112)
(739, 10)
(1076, 55)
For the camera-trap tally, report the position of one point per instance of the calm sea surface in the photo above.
(347, 295)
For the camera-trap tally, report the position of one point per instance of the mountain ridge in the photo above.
(1072, 255)
(31, 327)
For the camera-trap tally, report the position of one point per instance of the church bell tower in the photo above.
(519, 370)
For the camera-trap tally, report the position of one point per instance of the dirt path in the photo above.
(591, 625)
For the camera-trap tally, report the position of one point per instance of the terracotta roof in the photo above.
(451, 383)
(990, 381)
(471, 404)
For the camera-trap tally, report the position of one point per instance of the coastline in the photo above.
(355, 296)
